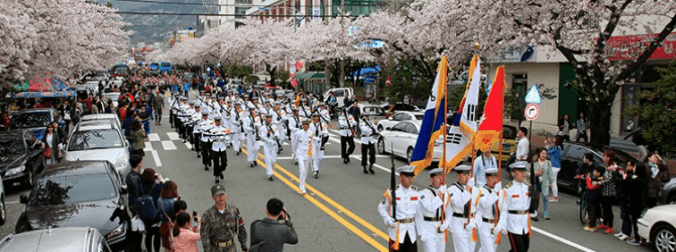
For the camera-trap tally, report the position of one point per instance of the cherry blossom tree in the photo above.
(59, 37)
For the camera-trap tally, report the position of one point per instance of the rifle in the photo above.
(279, 143)
(393, 186)
(322, 118)
(348, 123)
(368, 123)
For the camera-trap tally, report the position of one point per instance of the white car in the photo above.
(401, 138)
(105, 116)
(399, 117)
(657, 226)
(99, 141)
(112, 96)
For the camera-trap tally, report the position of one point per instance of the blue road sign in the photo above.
(533, 95)
(370, 79)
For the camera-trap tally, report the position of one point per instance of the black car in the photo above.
(79, 194)
(20, 157)
(571, 159)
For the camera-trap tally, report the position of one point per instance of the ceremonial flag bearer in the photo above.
(461, 210)
(517, 204)
(428, 221)
(490, 210)
(402, 229)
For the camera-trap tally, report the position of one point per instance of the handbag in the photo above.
(47, 152)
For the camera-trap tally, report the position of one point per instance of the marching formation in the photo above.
(213, 124)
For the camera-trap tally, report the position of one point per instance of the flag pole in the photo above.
(500, 158)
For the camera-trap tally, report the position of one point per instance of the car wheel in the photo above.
(381, 146)
(380, 128)
(3, 211)
(584, 216)
(409, 154)
(664, 239)
(579, 187)
(671, 199)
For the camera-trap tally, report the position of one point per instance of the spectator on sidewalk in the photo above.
(152, 185)
(185, 238)
(543, 180)
(522, 148)
(269, 234)
(138, 136)
(564, 127)
(555, 150)
(582, 127)
(609, 191)
(623, 196)
(591, 197)
(659, 174)
(636, 186)
(133, 181)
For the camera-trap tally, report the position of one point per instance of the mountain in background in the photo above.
(158, 28)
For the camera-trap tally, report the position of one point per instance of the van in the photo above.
(52, 239)
(339, 93)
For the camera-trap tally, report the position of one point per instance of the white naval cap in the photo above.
(519, 165)
(493, 171)
(218, 118)
(463, 168)
(435, 171)
(406, 170)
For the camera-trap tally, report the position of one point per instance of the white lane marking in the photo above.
(168, 145)
(188, 145)
(173, 136)
(153, 137)
(285, 143)
(148, 146)
(12, 202)
(156, 157)
(567, 242)
(380, 167)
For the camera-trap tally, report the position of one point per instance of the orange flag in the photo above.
(491, 121)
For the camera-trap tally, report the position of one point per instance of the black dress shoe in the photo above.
(365, 171)
(255, 163)
(535, 219)
(221, 175)
(270, 178)
(237, 153)
(206, 167)
(217, 180)
(199, 156)
(252, 164)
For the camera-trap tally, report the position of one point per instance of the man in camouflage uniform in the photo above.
(158, 105)
(221, 223)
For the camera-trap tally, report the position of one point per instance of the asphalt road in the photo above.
(339, 213)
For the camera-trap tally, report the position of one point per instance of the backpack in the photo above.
(145, 206)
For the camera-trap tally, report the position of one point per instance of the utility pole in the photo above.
(327, 72)
(341, 81)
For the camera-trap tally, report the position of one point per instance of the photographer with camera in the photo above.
(270, 233)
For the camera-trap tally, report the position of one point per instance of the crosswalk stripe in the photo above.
(153, 137)
(168, 145)
(173, 136)
(156, 157)
(188, 145)
(148, 146)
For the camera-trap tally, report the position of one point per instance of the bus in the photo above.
(165, 67)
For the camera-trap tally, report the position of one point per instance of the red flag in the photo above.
(491, 121)
(388, 82)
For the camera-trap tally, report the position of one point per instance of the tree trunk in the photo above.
(599, 120)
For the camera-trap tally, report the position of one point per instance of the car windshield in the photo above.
(68, 189)
(94, 139)
(29, 120)
(508, 133)
(113, 97)
(419, 117)
(11, 146)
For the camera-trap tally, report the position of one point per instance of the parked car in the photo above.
(399, 117)
(508, 144)
(657, 225)
(113, 96)
(571, 159)
(339, 93)
(401, 139)
(3, 207)
(108, 117)
(20, 157)
(669, 192)
(99, 142)
(391, 109)
(78, 194)
(35, 120)
(85, 239)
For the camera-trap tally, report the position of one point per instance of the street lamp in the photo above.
(297, 18)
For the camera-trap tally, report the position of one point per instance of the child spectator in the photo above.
(590, 196)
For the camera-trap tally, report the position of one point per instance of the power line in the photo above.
(221, 15)
(231, 5)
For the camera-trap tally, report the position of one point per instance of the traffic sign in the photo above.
(370, 79)
(533, 95)
(532, 111)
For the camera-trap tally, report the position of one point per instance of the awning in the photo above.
(43, 94)
(309, 75)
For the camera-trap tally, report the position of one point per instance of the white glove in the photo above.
(496, 230)
(498, 186)
(470, 182)
(443, 189)
(471, 225)
(391, 222)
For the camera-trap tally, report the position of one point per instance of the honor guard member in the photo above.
(461, 210)
(267, 107)
(295, 124)
(517, 204)
(251, 124)
(324, 112)
(281, 122)
(368, 140)
(402, 229)
(270, 137)
(490, 210)
(303, 152)
(184, 117)
(220, 139)
(236, 115)
(321, 136)
(347, 130)
(246, 104)
(205, 141)
(195, 118)
(221, 224)
(430, 213)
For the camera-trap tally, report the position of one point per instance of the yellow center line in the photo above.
(335, 204)
(328, 211)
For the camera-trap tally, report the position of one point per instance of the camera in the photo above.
(194, 215)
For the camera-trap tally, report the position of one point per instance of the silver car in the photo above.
(100, 142)
(105, 116)
(84, 239)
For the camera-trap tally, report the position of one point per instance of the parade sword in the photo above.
(393, 186)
